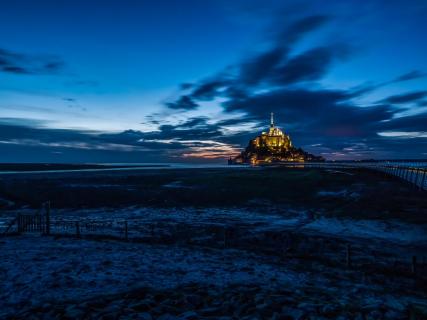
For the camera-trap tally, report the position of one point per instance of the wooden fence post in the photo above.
(126, 231)
(47, 207)
(19, 223)
(39, 223)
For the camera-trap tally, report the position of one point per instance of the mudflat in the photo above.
(215, 243)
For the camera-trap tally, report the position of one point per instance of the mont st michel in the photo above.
(118, 117)
(273, 146)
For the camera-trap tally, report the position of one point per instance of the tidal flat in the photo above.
(210, 243)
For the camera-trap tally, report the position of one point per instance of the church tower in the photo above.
(272, 146)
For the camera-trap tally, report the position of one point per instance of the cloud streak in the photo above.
(405, 98)
(191, 139)
(25, 64)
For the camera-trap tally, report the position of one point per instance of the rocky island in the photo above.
(272, 147)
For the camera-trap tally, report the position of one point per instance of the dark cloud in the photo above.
(291, 101)
(314, 112)
(236, 93)
(25, 131)
(261, 66)
(310, 65)
(190, 138)
(405, 124)
(367, 88)
(209, 89)
(15, 69)
(278, 68)
(200, 128)
(277, 80)
(194, 129)
(60, 139)
(24, 122)
(184, 102)
(415, 74)
(185, 86)
(53, 67)
(329, 120)
(326, 121)
(271, 66)
(301, 27)
(237, 121)
(405, 98)
(19, 63)
(151, 141)
(193, 122)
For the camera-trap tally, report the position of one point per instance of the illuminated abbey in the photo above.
(271, 147)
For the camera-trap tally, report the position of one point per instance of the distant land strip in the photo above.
(68, 166)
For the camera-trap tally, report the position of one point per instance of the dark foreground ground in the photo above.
(362, 193)
(232, 243)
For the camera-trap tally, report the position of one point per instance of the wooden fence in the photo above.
(42, 222)
(217, 235)
(38, 222)
(31, 223)
(83, 227)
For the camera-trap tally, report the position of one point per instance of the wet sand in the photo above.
(217, 243)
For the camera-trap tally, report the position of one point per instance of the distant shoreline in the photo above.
(27, 167)
(20, 168)
(47, 168)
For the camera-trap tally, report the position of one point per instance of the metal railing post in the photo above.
(423, 179)
(417, 172)
(19, 223)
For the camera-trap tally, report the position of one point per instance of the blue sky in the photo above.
(105, 81)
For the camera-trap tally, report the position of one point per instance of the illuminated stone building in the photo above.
(271, 147)
(274, 139)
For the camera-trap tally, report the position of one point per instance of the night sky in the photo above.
(186, 81)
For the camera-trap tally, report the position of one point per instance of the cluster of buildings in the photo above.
(273, 146)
